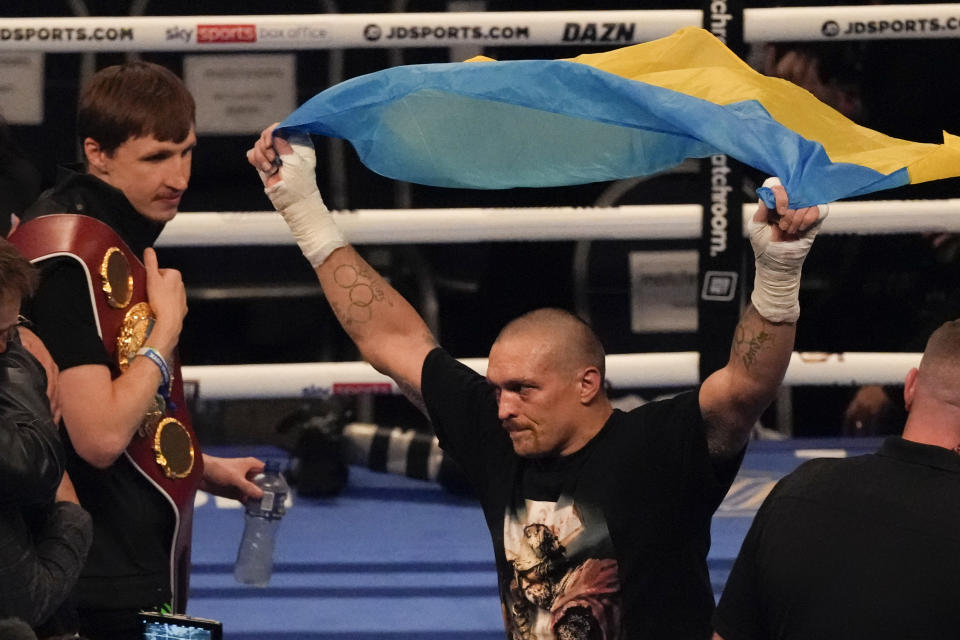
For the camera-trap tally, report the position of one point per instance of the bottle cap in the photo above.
(272, 466)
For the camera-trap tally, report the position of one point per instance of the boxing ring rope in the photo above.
(549, 223)
(650, 222)
(616, 28)
(534, 28)
(624, 371)
(872, 22)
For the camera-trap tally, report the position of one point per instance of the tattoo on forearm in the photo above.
(747, 345)
(362, 292)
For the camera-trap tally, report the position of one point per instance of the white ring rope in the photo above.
(870, 22)
(534, 28)
(332, 31)
(683, 221)
(653, 370)
(624, 371)
(554, 223)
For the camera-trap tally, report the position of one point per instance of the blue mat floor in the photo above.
(397, 559)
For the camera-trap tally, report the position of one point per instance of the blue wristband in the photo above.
(166, 378)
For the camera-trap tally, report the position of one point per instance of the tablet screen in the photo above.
(171, 627)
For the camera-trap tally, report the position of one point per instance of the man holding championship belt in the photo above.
(112, 324)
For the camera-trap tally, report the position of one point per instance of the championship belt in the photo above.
(165, 448)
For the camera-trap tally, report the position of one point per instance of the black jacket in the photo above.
(43, 543)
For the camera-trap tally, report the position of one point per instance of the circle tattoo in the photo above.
(360, 294)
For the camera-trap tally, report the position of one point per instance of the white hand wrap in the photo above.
(298, 200)
(776, 286)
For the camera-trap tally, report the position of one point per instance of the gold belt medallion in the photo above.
(173, 448)
(116, 278)
(136, 326)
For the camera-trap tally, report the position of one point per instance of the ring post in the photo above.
(720, 277)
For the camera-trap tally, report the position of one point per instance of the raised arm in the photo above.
(733, 398)
(389, 332)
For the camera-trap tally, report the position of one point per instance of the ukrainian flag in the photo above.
(630, 112)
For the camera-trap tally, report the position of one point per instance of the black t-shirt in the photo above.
(613, 537)
(867, 547)
(128, 565)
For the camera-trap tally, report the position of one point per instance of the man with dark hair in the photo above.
(600, 519)
(18, 280)
(112, 323)
(44, 533)
(865, 547)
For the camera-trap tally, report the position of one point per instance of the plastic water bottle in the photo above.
(255, 556)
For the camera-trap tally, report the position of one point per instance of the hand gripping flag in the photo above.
(629, 112)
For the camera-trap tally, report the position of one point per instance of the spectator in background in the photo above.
(44, 533)
(830, 72)
(863, 547)
(927, 293)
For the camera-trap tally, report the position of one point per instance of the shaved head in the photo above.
(546, 370)
(939, 371)
(572, 342)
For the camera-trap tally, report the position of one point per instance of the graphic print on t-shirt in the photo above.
(563, 580)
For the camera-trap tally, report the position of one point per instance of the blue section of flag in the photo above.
(539, 123)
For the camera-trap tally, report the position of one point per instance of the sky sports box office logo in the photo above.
(245, 33)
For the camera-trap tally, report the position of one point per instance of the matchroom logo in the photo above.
(223, 33)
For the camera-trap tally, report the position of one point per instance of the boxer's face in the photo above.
(536, 397)
(151, 173)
